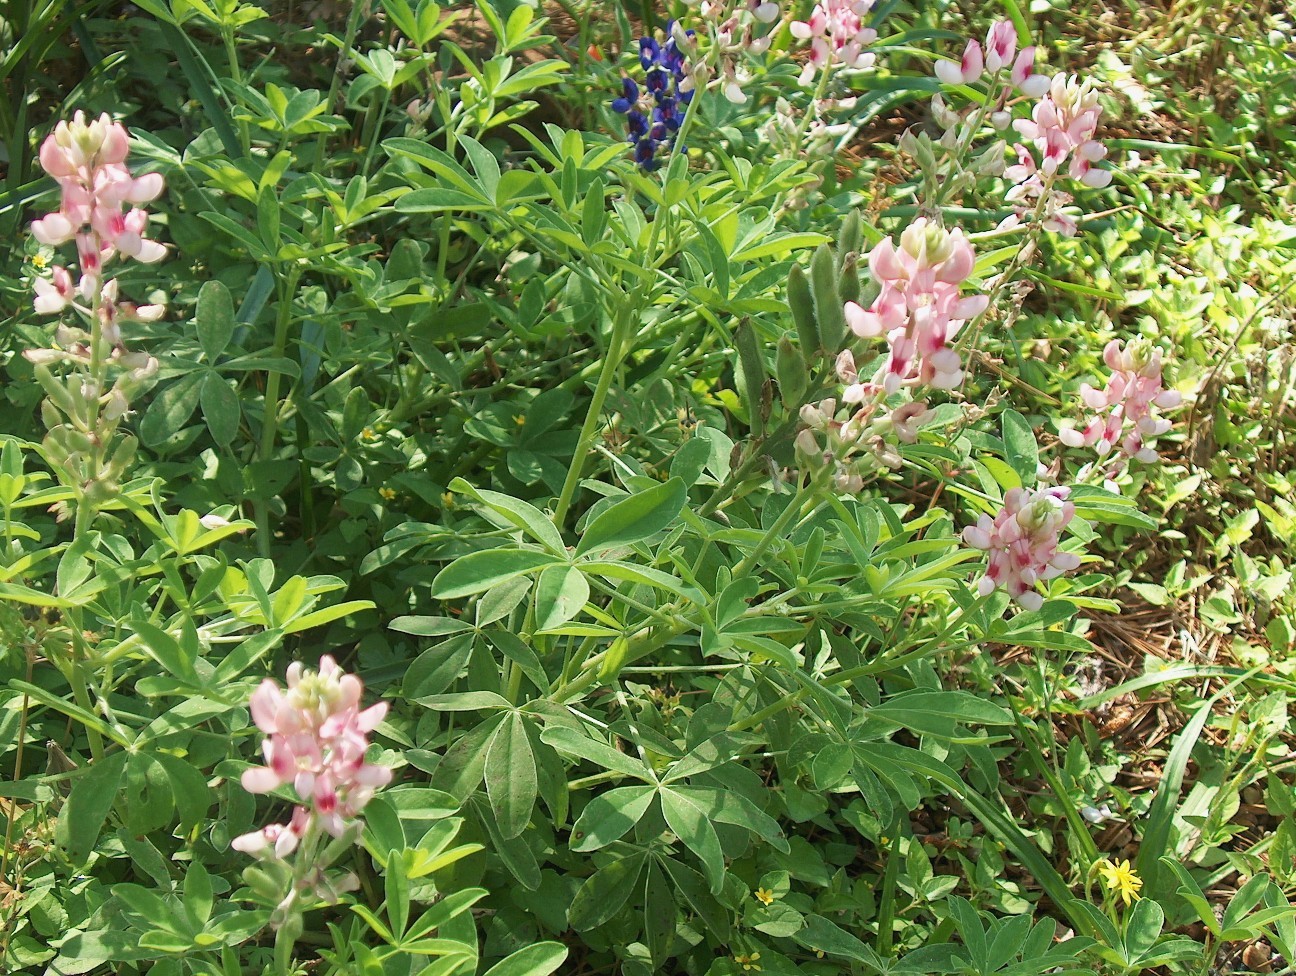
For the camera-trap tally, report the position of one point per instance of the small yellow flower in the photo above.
(387, 493)
(764, 896)
(1121, 878)
(448, 500)
(520, 420)
(368, 434)
(39, 261)
(749, 963)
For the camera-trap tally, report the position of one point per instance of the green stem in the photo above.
(270, 422)
(792, 513)
(236, 75)
(611, 361)
(81, 694)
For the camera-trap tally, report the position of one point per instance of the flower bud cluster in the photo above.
(1021, 543)
(655, 115)
(860, 445)
(837, 36)
(316, 738)
(1123, 418)
(919, 308)
(815, 143)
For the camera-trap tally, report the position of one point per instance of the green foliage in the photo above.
(450, 389)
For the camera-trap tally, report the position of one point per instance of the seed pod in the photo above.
(849, 240)
(801, 301)
(827, 300)
(59, 394)
(792, 373)
(848, 282)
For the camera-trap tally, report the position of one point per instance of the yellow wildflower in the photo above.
(387, 493)
(1121, 878)
(764, 896)
(749, 963)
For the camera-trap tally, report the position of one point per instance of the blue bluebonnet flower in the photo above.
(655, 115)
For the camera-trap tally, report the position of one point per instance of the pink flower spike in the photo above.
(1021, 543)
(317, 736)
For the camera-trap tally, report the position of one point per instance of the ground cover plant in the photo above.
(709, 488)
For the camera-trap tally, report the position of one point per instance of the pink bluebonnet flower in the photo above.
(1058, 138)
(1021, 543)
(1062, 128)
(919, 308)
(1123, 412)
(88, 161)
(316, 738)
(837, 35)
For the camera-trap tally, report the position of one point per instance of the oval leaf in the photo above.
(635, 518)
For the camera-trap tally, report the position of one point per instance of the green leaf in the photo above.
(560, 595)
(778, 246)
(516, 512)
(214, 318)
(1142, 928)
(689, 822)
(511, 779)
(540, 959)
(1020, 449)
(238, 232)
(825, 936)
(449, 907)
(220, 408)
(1098, 505)
(661, 915)
(396, 887)
(88, 806)
(609, 815)
(574, 743)
(171, 409)
(480, 571)
(929, 712)
(605, 892)
(638, 573)
(635, 518)
(437, 199)
(198, 893)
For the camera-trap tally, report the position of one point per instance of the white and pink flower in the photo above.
(1123, 415)
(837, 36)
(316, 739)
(1021, 543)
(919, 308)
